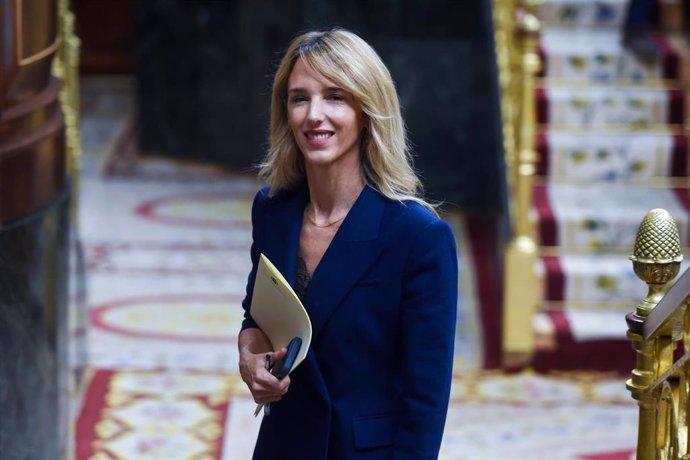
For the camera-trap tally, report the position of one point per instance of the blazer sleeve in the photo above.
(257, 213)
(429, 310)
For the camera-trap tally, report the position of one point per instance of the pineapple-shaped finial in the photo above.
(656, 255)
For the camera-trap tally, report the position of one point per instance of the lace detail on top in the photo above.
(302, 279)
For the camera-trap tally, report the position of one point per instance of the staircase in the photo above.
(610, 146)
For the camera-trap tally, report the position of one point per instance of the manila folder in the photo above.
(278, 311)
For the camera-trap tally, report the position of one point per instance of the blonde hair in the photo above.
(349, 61)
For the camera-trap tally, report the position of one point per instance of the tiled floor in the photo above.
(166, 248)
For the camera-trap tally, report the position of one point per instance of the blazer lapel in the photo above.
(282, 228)
(354, 248)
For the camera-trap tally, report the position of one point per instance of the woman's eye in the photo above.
(336, 97)
(297, 99)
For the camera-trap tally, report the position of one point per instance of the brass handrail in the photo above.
(660, 322)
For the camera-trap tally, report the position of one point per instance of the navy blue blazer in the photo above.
(382, 302)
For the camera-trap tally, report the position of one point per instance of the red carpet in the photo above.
(153, 414)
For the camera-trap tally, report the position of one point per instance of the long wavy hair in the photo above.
(352, 64)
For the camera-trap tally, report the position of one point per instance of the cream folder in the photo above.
(278, 311)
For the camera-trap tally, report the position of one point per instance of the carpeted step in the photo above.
(584, 340)
(620, 156)
(583, 13)
(599, 56)
(595, 216)
(596, 282)
(634, 107)
(584, 281)
(582, 321)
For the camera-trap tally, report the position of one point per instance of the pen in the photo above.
(267, 365)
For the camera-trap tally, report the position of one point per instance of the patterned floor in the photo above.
(166, 247)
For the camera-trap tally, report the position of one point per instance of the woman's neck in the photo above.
(332, 194)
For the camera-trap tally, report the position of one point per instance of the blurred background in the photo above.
(129, 135)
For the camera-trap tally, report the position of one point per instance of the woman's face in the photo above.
(325, 119)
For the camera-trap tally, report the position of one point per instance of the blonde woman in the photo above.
(342, 218)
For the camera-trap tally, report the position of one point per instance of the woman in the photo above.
(375, 267)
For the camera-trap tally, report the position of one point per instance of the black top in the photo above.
(302, 279)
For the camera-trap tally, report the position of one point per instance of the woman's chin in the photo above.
(318, 162)
(324, 158)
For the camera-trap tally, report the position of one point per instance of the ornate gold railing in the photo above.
(517, 33)
(660, 322)
(66, 68)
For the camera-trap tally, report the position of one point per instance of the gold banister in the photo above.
(659, 322)
(66, 68)
(517, 35)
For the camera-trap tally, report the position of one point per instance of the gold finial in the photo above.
(657, 239)
(656, 255)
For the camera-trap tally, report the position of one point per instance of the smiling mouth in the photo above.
(318, 136)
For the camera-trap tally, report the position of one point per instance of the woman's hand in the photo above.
(265, 388)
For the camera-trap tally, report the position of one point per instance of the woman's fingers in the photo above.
(264, 387)
(268, 392)
(278, 356)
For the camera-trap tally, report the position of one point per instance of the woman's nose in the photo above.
(315, 114)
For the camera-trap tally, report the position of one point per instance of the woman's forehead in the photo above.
(302, 73)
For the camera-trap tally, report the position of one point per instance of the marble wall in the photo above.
(33, 334)
(204, 74)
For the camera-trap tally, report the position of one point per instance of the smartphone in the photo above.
(280, 370)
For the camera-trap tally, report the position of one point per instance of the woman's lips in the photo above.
(318, 137)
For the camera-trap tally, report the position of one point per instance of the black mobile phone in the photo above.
(281, 369)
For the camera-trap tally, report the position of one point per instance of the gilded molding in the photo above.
(66, 68)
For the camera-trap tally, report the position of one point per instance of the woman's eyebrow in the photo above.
(302, 90)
